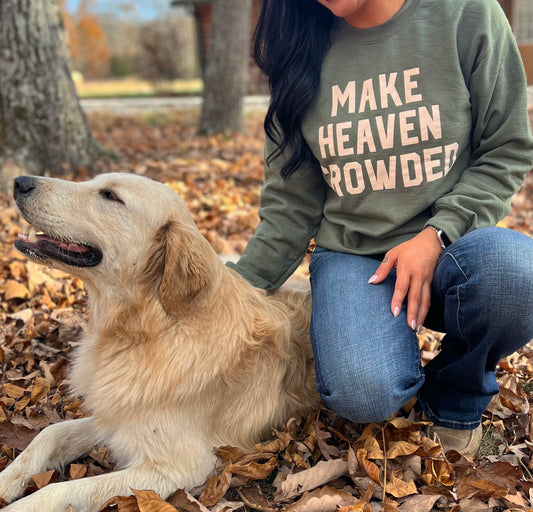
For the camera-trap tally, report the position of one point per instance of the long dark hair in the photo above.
(289, 43)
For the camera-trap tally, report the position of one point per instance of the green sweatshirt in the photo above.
(420, 121)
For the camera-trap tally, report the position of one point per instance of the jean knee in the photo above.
(502, 280)
(371, 399)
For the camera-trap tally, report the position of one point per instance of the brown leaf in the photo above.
(277, 445)
(13, 391)
(371, 469)
(325, 499)
(43, 479)
(399, 488)
(124, 504)
(21, 404)
(440, 471)
(149, 501)
(389, 505)
(253, 497)
(14, 290)
(229, 454)
(183, 501)
(216, 487)
(298, 483)
(40, 389)
(227, 506)
(358, 507)
(16, 436)
(400, 449)
(253, 470)
(420, 503)
(328, 451)
(372, 448)
(480, 488)
(77, 471)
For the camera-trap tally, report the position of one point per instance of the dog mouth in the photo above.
(43, 247)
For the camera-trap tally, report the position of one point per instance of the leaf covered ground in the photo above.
(320, 463)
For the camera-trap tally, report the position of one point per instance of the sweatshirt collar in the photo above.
(379, 33)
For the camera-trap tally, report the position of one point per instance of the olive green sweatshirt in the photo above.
(419, 121)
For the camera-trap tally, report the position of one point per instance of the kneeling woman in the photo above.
(396, 135)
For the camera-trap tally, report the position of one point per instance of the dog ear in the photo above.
(177, 264)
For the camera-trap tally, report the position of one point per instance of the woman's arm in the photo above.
(290, 214)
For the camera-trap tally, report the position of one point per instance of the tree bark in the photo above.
(42, 126)
(227, 66)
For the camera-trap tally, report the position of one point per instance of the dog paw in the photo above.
(10, 489)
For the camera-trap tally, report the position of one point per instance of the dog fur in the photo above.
(181, 355)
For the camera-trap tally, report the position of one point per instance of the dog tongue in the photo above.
(71, 247)
(66, 246)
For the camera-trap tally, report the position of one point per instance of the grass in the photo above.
(132, 87)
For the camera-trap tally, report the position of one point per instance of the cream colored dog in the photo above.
(181, 355)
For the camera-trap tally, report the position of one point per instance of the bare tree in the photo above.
(167, 50)
(42, 126)
(227, 65)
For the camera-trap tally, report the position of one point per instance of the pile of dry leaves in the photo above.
(320, 463)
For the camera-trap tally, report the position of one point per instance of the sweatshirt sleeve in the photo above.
(290, 213)
(501, 141)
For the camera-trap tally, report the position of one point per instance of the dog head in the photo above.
(116, 231)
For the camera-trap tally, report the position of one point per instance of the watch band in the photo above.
(443, 239)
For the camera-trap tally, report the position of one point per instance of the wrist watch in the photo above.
(441, 235)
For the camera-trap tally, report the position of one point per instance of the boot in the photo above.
(466, 442)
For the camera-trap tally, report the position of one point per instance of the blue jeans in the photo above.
(368, 363)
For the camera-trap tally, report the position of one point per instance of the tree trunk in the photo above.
(227, 65)
(42, 126)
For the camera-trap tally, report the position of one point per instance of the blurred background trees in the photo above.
(42, 126)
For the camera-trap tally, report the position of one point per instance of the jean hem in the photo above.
(447, 423)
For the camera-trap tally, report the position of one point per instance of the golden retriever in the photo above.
(181, 355)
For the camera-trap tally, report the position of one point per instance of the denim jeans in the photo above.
(368, 363)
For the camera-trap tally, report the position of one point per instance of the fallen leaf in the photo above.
(43, 479)
(40, 389)
(77, 471)
(14, 391)
(14, 290)
(420, 503)
(253, 470)
(440, 471)
(16, 436)
(279, 444)
(149, 501)
(325, 499)
(124, 504)
(320, 474)
(183, 501)
(254, 498)
(227, 506)
(371, 469)
(399, 488)
(400, 449)
(216, 487)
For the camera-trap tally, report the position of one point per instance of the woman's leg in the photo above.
(367, 362)
(483, 288)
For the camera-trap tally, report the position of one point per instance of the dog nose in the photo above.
(23, 186)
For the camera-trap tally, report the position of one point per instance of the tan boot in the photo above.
(466, 442)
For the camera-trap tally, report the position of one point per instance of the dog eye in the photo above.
(110, 195)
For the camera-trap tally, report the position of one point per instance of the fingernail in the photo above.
(396, 312)
(418, 329)
(413, 325)
(372, 279)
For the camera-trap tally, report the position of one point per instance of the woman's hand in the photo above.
(415, 262)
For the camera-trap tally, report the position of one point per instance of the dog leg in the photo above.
(89, 494)
(53, 447)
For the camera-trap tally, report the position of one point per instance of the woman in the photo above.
(396, 135)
